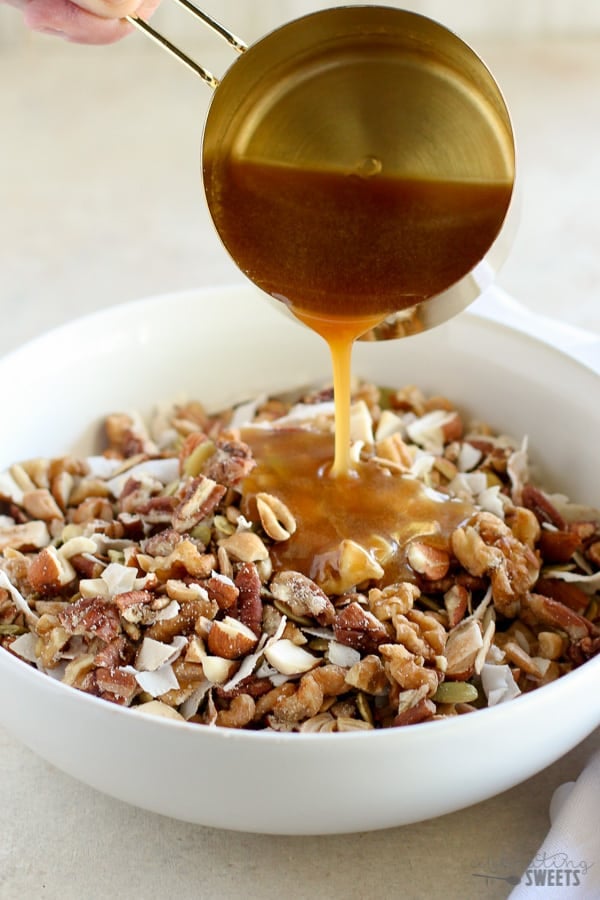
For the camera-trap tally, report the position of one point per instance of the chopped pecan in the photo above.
(223, 590)
(392, 600)
(551, 612)
(585, 648)
(488, 546)
(422, 711)
(132, 606)
(157, 510)
(118, 653)
(184, 623)
(558, 546)
(421, 633)
(303, 704)
(302, 596)
(249, 604)
(524, 525)
(91, 617)
(200, 498)
(92, 508)
(230, 463)
(331, 679)
(369, 676)
(184, 559)
(358, 628)
(163, 543)
(116, 684)
(405, 669)
(545, 511)
(563, 592)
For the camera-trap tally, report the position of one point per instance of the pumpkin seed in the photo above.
(455, 692)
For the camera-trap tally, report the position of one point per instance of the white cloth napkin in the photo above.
(567, 865)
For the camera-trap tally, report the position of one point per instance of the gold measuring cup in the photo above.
(368, 93)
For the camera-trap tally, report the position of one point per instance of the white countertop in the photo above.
(100, 203)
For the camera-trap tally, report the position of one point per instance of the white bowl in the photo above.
(224, 345)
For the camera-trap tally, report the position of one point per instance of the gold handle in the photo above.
(158, 38)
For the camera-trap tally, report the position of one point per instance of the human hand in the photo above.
(84, 22)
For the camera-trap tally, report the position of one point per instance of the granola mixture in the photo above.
(135, 577)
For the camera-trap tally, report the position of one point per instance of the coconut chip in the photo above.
(24, 646)
(498, 684)
(17, 598)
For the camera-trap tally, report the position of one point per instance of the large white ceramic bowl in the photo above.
(224, 345)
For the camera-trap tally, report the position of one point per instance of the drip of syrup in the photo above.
(346, 249)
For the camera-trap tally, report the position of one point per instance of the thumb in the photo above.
(110, 9)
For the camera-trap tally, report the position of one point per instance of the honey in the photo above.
(378, 510)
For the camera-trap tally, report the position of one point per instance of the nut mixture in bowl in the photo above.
(172, 575)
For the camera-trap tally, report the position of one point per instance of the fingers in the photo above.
(109, 9)
(100, 22)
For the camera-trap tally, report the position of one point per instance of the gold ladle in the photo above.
(361, 157)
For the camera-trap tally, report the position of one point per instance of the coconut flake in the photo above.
(155, 683)
(589, 583)
(389, 423)
(115, 579)
(24, 646)
(154, 654)
(250, 662)
(102, 466)
(325, 633)
(491, 501)
(119, 578)
(190, 706)
(245, 413)
(426, 431)
(422, 465)
(573, 512)
(18, 599)
(498, 684)
(468, 457)
(305, 412)
(361, 423)
(517, 469)
(541, 663)
(341, 655)
(170, 611)
(162, 470)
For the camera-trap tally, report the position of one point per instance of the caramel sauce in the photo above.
(345, 249)
(379, 510)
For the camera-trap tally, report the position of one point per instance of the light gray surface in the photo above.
(100, 202)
